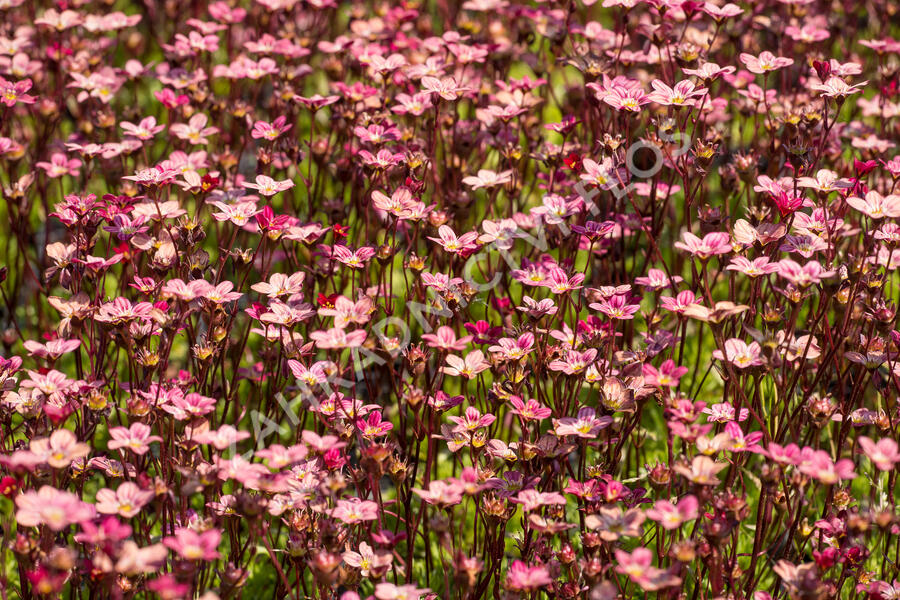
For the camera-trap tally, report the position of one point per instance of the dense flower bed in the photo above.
(491, 299)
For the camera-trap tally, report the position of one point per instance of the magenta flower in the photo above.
(471, 420)
(373, 426)
(616, 307)
(667, 375)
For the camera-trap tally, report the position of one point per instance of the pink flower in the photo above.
(59, 166)
(472, 420)
(603, 174)
(195, 130)
(681, 95)
(521, 577)
(574, 362)
(586, 425)
(447, 88)
(190, 545)
(709, 71)
(336, 338)
(876, 206)
(355, 259)
(809, 274)
(626, 99)
(667, 375)
(639, 567)
(390, 591)
(270, 131)
(514, 349)
(54, 508)
(367, 559)
(883, 454)
(765, 62)
(455, 244)
(266, 186)
(671, 516)
(532, 410)
(702, 470)
(124, 227)
(280, 284)
(558, 282)
(145, 130)
(835, 87)
(52, 349)
(487, 179)
(818, 465)
(11, 93)
(355, 510)
(468, 367)
(711, 245)
(126, 501)
(376, 134)
(741, 442)
(60, 449)
(445, 339)
(441, 493)
(740, 354)
(755, 268)
(616, 307)
(135, 438)
(373, 427)
(226, 436)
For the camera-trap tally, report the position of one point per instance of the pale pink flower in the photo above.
(521, 577)
(682, 94)
(266, 186)
(670, 516)
(740, 354)
(455, 244)
(126, 501)
(765, 62)
(468, 367)
(883, 453)
(711, 245)
(445, 339)
(368, 559)
(487, 179)
(877, 206)
(803, 276)
(355, 510)
(586, 425)
(194, 546)
(54, 508)
(136, 438)
(60, 165)
(270, 131)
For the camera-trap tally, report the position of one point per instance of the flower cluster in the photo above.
(462, 300)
